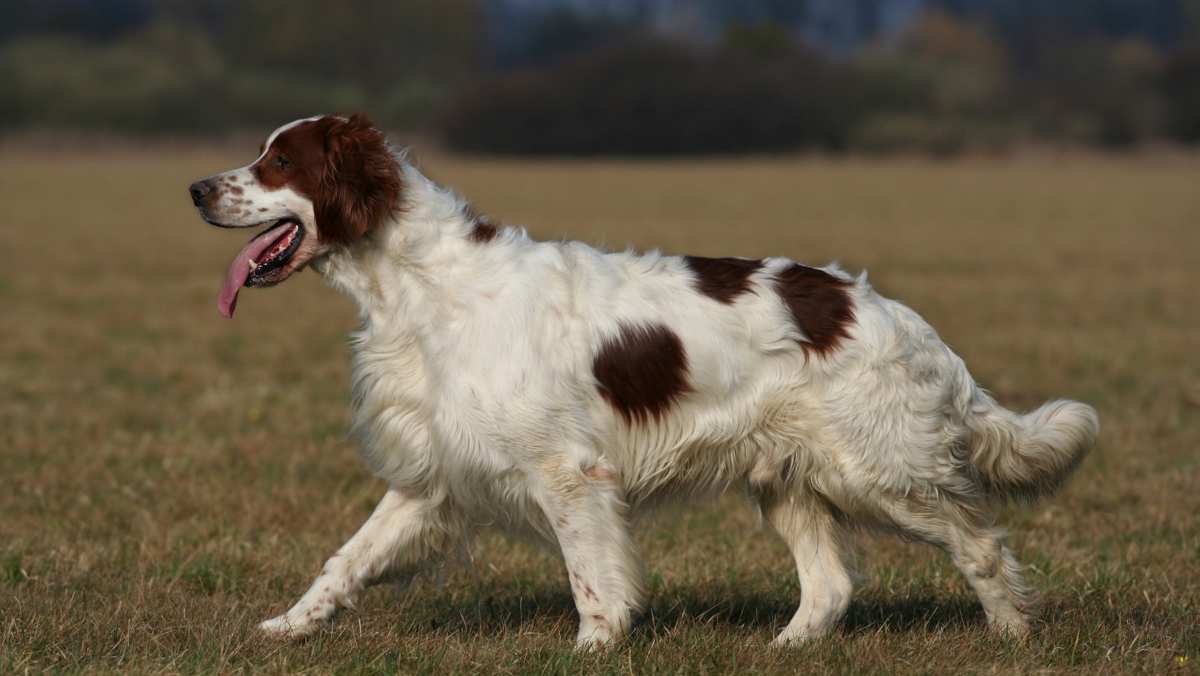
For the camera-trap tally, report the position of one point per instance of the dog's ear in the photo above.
(360, 182)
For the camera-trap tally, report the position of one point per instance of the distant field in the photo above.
(170, 478)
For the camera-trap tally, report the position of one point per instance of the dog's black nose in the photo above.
(199, 190)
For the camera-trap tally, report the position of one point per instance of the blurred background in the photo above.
(1017, 171)
(625, 77)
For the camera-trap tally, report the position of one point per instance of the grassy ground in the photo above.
(171, 478)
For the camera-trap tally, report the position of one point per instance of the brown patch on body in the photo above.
(641, 371)
(820, 305)
(722, 279)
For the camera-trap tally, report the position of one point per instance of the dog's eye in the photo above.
(282, 162)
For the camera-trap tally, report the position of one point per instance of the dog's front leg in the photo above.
(586, 509)
(403, 533)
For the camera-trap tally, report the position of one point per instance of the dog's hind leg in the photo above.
(401, 535)
(995, 576)
(978, 551)
(823, 549)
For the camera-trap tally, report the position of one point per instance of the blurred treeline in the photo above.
(961, 75)
(203, 66)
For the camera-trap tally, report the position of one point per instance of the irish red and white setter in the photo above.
(557, 389)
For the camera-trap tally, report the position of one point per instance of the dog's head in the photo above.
(318, 184)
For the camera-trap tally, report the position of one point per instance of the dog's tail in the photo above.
(1025, 457)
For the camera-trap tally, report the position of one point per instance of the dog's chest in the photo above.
(410, 433)
(392, 418)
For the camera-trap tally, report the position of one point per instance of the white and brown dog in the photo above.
(557, 389)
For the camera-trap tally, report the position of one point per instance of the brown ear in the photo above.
(360, 184)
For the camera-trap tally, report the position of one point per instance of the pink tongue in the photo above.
(239, 270)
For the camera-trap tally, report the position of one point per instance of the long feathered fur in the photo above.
(557, 389)
(1026, 457)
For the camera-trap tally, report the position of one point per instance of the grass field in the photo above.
(170, 478)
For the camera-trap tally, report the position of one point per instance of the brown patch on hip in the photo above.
(722, 279)
(820, 305)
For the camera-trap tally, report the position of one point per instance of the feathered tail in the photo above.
(1025, 457)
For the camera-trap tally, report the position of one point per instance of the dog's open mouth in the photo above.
(260, 262)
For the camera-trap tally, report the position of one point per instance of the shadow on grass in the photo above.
(774, 611)
(671, 609)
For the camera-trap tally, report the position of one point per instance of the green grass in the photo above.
(172, 478)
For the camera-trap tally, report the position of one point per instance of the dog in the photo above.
(558, 390)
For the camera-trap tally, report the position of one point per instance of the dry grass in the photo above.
(171, 478)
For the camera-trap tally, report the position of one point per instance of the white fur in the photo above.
(475, 400)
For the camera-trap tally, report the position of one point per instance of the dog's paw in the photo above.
(791, 640)
(1015, 627)
(283, 627)
(792, 637)
(595, 633)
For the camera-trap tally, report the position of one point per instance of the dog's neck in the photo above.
(403, 273)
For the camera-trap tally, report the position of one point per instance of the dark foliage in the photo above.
(90, 19)
(1181, 87)
(559, 77)
(657, 97)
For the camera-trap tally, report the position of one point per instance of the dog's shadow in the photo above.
(773, 612)
(680, 607)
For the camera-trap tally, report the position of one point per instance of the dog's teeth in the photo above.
(252, 265)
